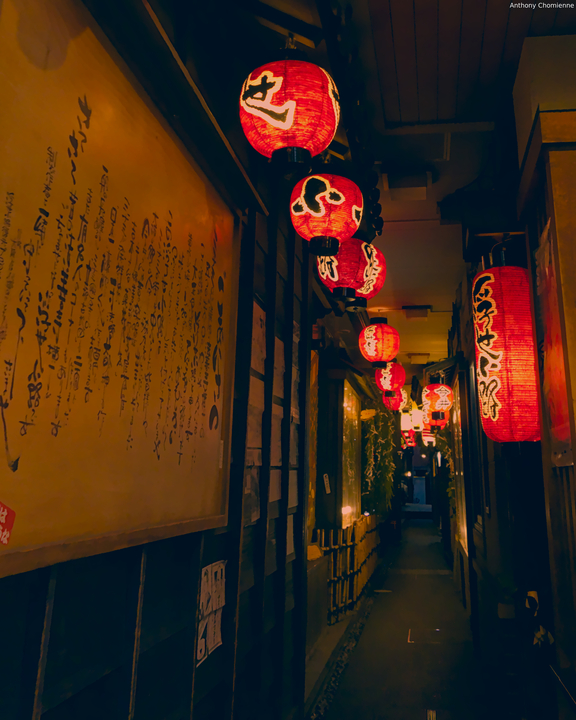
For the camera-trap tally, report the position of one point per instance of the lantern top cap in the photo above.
(379, 321)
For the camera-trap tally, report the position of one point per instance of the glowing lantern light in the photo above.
(406, 422)
(428, 438)
(392, 399)
(404, 399)
(326, 210)
(356, 266)
(379, 343)
(390, 378)
(505, 355)
(417, 419)
(437, 399)
(375, 281)
(409, 437)
(289, 104)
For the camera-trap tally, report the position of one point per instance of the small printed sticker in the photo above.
(327, 483)
(7, 517)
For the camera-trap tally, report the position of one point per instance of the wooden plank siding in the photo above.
(449, 31)
(426, 30)
(471, 40)
(384, 49)
(402, 14)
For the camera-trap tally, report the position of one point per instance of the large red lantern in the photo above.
(289, 104)
(437, 399)
(505, 355)
(379, 343)
(357, 266)
(326, 210)
(392, 399)
(390, 378)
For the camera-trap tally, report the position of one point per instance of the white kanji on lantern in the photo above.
(4, 537)
(3, 513)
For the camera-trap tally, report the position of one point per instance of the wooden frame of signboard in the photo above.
(119, 287)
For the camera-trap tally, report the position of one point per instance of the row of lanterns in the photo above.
(293, 107)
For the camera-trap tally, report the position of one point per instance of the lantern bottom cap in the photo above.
(356, 305)
(344, 292)
(389, 393)
(291, 156)
(325, 246)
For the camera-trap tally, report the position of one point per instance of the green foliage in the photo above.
(379, 465)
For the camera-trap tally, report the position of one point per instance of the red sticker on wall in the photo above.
(7, 517)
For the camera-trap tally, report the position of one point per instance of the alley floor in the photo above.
(414, 659)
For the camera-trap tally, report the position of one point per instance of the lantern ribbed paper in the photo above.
(437, 398)
(505, 355)
(356, 266)
(392, 377)
(326, 206)
(289, 103)
(393, 403)
(379, 342)
(377, 276)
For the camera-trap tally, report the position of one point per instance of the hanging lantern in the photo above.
(379, 343)
(406, 422)
(287, 105)
(392, 399)
(428, 437)
(326, 210)
(437, 399)
(417, 419)
(355, 267)
(409, 437)
(404, 399)
(392, 377)
(374, 282)
(505, 355)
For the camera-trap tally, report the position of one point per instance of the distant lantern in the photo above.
(428, 437)
(417, 419)
(505, 355)
(406, 422)
(437, 399)
(390, 378)
(326, 210)
(379, 343)
(404, 399)
(409, 437)
(289, 104)
(392, 399)
(356, 267)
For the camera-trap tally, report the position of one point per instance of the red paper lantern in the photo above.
(392, 377)
(379, 343)
(376, 280)
(392, 401)
(409, 437)
(505, 355)
(289, 104)
(437, 399)
(356, 267)
(326, 210)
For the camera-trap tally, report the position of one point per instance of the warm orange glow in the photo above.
(379, 343)
(392, 377)
(505, 355)
(289, 104)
